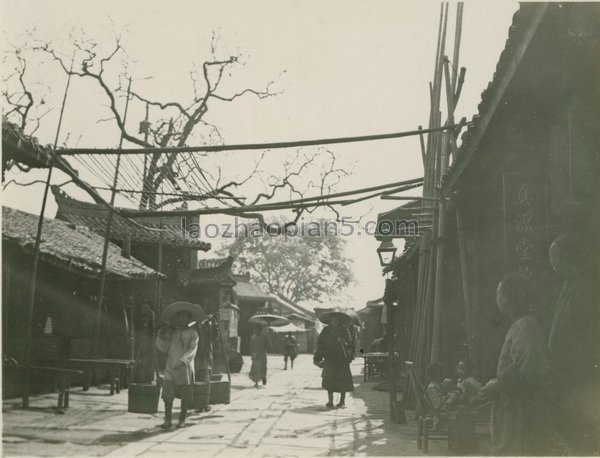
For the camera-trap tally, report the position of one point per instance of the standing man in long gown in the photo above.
(181, 345)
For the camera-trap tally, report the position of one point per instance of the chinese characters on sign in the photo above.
(524, 223)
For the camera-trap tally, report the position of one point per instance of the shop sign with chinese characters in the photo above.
(525, 228)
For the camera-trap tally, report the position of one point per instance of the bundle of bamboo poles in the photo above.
(426, 332)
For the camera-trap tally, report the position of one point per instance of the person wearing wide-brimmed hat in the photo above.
(259, 344)
(181, 345)
(335, 351)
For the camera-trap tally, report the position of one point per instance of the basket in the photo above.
(220, 392)
(143, 397)
(201, 395)
(216, 377)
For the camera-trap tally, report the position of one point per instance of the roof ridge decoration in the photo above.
(94, 216)
(211, 263)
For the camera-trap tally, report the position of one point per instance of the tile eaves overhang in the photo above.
(524, 27)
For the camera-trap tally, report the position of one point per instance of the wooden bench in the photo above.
(62, 378)
(114, 366)
(372, 364)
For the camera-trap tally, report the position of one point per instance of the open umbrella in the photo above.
(171, 310)
(267, 319)
(346, 316)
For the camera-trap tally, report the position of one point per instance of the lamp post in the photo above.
(386, 252)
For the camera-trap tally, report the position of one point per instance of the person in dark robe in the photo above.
(145, 355)
(259, 344)
(574, 345)
(335, 351)
(522, 368)
(203, 361)
(290, 350)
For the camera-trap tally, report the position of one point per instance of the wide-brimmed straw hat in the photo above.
(196, 311)
(345, 315)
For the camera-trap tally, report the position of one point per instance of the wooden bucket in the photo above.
(201, 395)
(143, 397)
(220, 392)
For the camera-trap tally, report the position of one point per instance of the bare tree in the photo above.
(174, 125)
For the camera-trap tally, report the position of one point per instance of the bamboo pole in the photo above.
(437, 264)
(457, 38)
(36, 253)
(245, 146)
(445, 143)
(462, 251)
(418, 344)
(391, 343)
(422, 143)
(159, 268)
(96, 336)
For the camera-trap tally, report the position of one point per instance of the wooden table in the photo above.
(372, 361)
(61, 375)
(114, 367)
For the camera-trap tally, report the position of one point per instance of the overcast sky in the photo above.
(342, 68)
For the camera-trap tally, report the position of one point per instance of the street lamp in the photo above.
(386, 252)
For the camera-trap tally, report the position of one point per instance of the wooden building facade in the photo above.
(525, 172)
(65, 308)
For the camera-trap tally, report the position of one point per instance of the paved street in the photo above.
(285, 418)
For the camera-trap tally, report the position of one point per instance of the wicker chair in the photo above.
(427, 415)
(426, 412)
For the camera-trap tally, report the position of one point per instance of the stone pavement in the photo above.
(285, 418)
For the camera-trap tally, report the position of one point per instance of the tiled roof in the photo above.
(69, 247)
(23, 148)
(26, 150)
(95, 217)
(413, 210)
(524, 24)
(246, 290)
(295, 308)
(375, 303)
(217, 273)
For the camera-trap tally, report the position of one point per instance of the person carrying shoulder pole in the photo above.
(180, 344)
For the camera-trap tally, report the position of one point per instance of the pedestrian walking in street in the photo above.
(335, 351)
(290, 350)
(522, 367)
(259, 344)
(180, 344)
